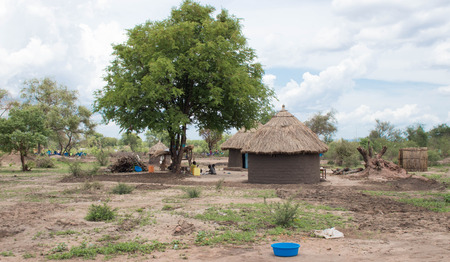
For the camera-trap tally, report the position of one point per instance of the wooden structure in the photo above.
(236, 159)
(284, 151)
(413, 159)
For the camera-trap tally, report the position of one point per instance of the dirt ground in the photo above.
(33, 207)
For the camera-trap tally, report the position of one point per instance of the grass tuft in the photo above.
(122, 189)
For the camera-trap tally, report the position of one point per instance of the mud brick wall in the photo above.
(234, 158)
(284, 169)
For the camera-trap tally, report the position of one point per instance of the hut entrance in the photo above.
(413, 159)
(245, 160)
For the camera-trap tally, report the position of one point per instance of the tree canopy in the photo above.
(67, 121)
(22, 131)
(190, 68)
(323, 125)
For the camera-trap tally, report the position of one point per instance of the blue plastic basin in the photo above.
(285, 249)
(137, 169)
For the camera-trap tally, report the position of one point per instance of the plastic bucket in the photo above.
(151, 169)
(285, 249)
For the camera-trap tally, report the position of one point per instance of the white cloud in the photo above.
(444, 90)
(269, 80)
(441, 54)
(325, 87)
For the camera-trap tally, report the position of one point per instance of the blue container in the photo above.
(137, 169)
(285, 249)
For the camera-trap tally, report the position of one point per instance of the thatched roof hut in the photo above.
(284, 151)
(158, 147)
(234, 145)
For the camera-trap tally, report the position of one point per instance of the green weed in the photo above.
(90, 251)
(7, 254)
(122, 189)
(100, 213)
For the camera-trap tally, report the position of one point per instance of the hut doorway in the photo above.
(245, 160)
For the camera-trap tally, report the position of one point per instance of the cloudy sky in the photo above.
(366, 59)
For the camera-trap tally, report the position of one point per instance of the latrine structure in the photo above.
(413, 159)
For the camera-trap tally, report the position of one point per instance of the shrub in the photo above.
(77, 171)
(100, 213)
(44, 162)
(122, 189)
(102, 157)
(193, 192)
(285, 213)
(433, 157)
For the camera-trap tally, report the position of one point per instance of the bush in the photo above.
(193, 192)
(100, 213)
(102, 157)
(122, 189)
(44, 162)
(285, 213)
(433, 157)
(76, 170)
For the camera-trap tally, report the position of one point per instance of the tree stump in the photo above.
(377, 167)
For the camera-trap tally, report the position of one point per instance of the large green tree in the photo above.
(22, 131)
(67, 121)
(191, 68)
(323, 125)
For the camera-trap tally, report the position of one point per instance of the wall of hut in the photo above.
(234, 158)
(414, 159)
(284, 169)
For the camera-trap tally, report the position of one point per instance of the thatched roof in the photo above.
(284, 134)
(158, 147)
(238, 140)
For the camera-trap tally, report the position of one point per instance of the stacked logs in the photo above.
(127, 163)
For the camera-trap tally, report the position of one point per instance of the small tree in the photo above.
(22, 131)
(323, 125)
(211, 137)
(417, 134)
(66, 121)
(132, 140)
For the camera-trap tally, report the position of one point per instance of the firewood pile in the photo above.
(127, 163)
(345, 171)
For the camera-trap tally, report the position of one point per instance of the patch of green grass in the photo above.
(7, 254)
(122, 189)
(245, 220)
(235, 237)
(439, 204)
(261, 193)
(90, 251)
(100, 213)
(439, 177)
(28, 255)
(434, 201)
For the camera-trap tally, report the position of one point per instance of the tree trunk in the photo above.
(22, 160)
(375, 165)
